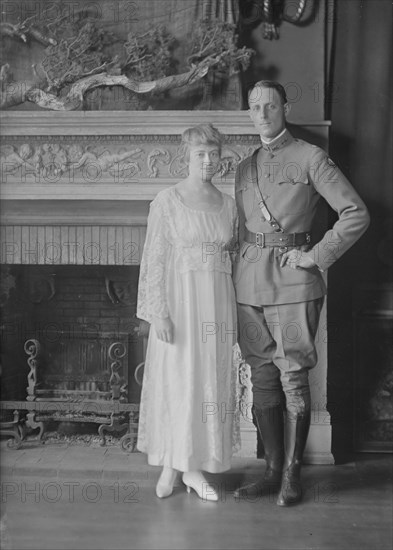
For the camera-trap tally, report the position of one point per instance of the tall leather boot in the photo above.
(291, 489)
(260, 446)
(270, 425)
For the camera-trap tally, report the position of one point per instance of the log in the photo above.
(14, 93)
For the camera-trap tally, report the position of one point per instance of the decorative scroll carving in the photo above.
(154, 157)
(116, 424)
(59, 401)
(117, 351)
(33, 424)
(128, 441)
(51, 160)
(25, 156)
(229, 160)
(14, 429)
(110, 159)
(178, 166)
(142, 330)
(32, 348)
(244, 390)
(105, 160)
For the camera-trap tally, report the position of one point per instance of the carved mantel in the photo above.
(112, 156)
(106, 156)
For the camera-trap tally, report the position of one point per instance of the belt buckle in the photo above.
(284, 247)
(260, 240)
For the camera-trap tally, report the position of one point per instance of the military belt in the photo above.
(279, 239)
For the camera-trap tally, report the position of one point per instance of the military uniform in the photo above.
(292, 176)
(279, 307)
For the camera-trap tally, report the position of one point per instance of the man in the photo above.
(278, 277)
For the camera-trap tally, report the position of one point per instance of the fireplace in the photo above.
(71, 335)
(69, 310)
(75, 190)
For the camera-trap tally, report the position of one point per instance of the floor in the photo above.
(63, 496)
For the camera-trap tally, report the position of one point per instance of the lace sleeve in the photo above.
(152, 300)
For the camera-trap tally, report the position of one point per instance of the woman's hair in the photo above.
(203, 134)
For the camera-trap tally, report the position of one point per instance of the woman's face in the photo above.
(204, 161)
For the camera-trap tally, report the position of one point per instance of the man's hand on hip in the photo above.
(296, 259)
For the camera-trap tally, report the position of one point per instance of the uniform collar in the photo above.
(279, 142)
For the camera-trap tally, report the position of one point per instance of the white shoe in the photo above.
(195, 480)
(164, 487)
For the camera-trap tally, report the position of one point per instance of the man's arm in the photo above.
(353, 216)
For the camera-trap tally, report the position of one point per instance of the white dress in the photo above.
(188, 412)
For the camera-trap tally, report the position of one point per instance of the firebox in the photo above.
(70, 340)
(69, 310)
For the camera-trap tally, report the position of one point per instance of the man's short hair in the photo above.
(272, 84)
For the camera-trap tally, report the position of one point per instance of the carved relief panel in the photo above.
(106, 159)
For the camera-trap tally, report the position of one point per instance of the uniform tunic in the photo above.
(292, 176)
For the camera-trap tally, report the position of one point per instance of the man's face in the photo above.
(267, 112)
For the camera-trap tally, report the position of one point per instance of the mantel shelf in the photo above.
(79, 123)
(138, 191)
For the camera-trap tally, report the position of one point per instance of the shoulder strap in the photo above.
(261, 203)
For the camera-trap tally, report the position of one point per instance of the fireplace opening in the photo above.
(82, 321)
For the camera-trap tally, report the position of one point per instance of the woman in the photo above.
(185, 291)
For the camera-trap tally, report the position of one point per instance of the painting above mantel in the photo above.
(140, 55)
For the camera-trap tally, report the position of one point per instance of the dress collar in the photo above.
(278, 142)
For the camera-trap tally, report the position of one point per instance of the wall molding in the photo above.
(95, 123)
